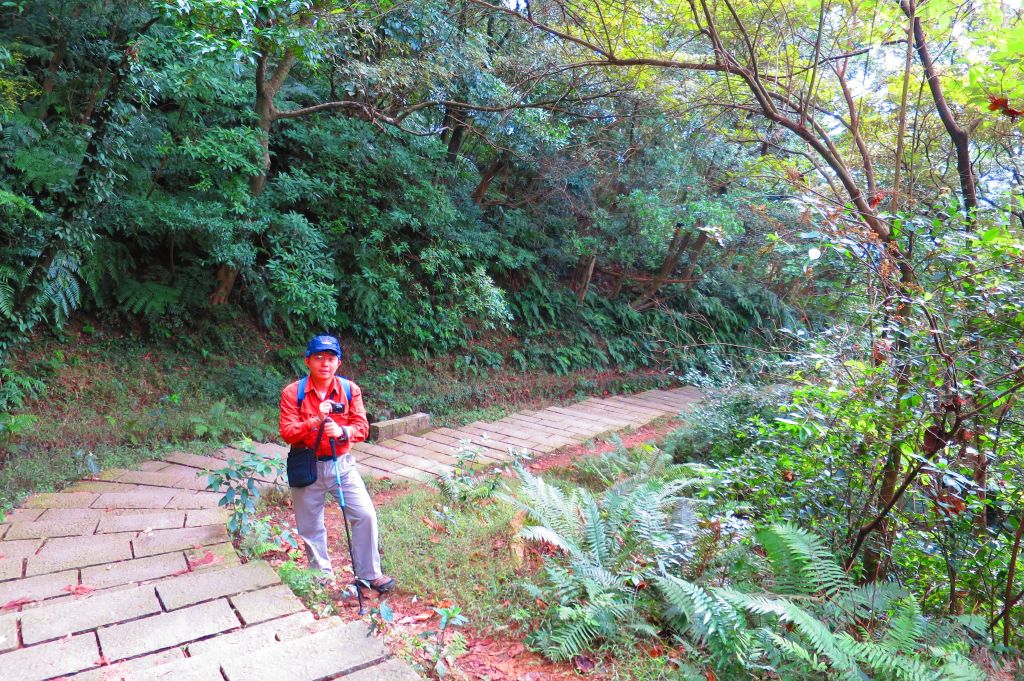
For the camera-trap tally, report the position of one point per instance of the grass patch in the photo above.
(459, 555)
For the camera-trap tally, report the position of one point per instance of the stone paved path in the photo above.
(134, 577)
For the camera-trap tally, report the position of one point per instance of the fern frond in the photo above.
(801, 562)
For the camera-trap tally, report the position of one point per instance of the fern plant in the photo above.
(816, 624)
(610, 549)
(613, 574)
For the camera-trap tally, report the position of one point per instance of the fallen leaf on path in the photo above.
(77, 590)
(583, 663)
(209, 558)
(17, 603)
(421, 617)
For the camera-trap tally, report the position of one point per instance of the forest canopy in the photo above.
(827, 193)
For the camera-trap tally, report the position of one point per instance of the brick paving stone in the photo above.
(440, 438)
(153, 497)
(38, 588)
(157, 632)
(488, 450)
(202, 586)
(51, 660)
(165, 541)
(266, 604)
(621, 419)
(551, 428)
(269, 449)
(323, 655)
(8, 633)
(23, 515)
(3, 529)
(187, 500)
(140, 522)
(99, 486)
(590, 419)
(206, 516)
(126, 670)
(229, 454)
(72, 515)
(386, 465)
(64, 553)
(252, 637)
(224, 556)
(188, 669)
(497, 435)
(136, 570)
(529, 436)
(380, 451)
(61, 500)
(610, 418)
(414, 474)
(152, 478)
(13, 554)
(637, 405)
(367, 472)
(194, 460)
(450, 450)
(50, 528)
(153, 465)
(655, 408)
(423, 452)
(390, 670)
(76, 615)
(425, 465)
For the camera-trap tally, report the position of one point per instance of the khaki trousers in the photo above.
(308, 504)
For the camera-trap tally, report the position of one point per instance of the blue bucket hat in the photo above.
(324, 344)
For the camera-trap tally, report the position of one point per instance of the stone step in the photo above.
(317, 657)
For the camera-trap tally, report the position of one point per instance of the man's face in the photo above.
(322, 364)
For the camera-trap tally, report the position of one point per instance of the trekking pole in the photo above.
(344, 518)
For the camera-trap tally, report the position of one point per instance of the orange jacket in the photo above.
(299, 426)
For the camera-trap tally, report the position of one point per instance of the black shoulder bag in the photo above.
(302, 462)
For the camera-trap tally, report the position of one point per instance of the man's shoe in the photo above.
(381, 585)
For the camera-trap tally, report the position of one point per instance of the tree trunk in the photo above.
(266, 114)
(676, 249)
(585, 282)
(959, 136)
(485, 180)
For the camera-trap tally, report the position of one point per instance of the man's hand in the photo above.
(325, 408)
(332, 429)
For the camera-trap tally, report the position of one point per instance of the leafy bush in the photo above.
(250, 384)
(723, 424)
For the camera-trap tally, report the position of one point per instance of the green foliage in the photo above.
(463, 487)
(222, 423)
(241, 480)
(723, 424)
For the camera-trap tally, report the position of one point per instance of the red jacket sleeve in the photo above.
(294, 426)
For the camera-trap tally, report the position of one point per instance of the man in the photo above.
(301, 420)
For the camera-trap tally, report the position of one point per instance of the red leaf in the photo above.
(208, 559)
(17, 603)
(182, 572)
(997, 103)
(79, 589)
